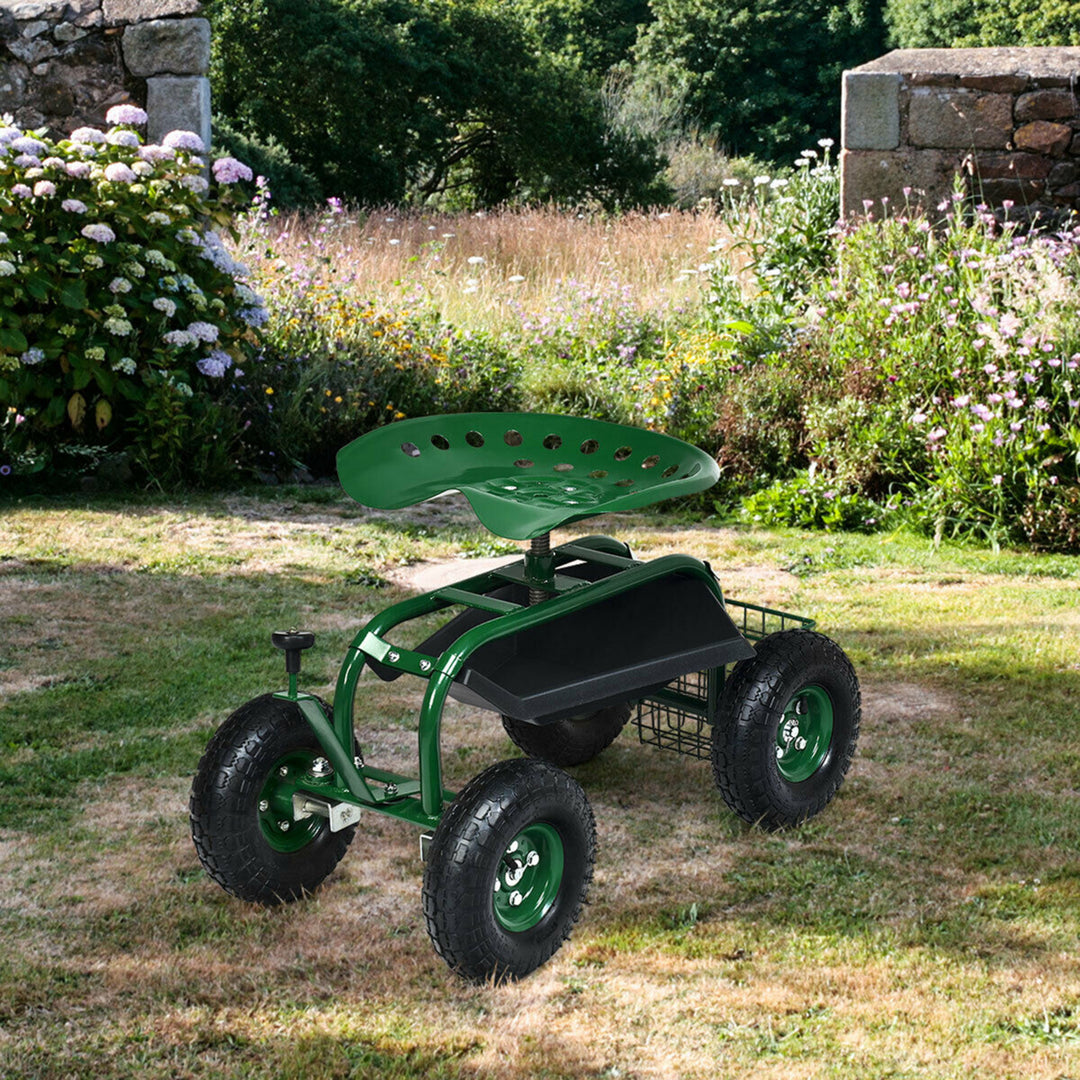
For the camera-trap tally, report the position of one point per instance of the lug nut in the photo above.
(321, 767)
(533, 859)
(283, 826)
(283, 771)
(515, 899)
(264, 805)
(800, 744)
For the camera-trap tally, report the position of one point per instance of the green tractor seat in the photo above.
(523, 473)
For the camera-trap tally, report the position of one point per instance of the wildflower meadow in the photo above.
(910, 369)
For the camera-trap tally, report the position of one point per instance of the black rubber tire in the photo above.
(571, 741)
(466, 854)
(744, 740)
(224, 807)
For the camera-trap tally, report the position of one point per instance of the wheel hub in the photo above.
(528, 878)
(804, 735)
(275, 802)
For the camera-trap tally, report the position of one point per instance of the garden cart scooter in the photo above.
(564, 645)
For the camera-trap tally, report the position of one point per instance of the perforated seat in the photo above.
(523, 473)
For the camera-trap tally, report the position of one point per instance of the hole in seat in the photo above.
(627, 482)
(563, 467)
(474, 438)
(623, 453)
(440, 442)
(512, 438)
(523, 463)
(671, 470)
(411, 449)
(651, 461)
(552, 442)
(598, 474)
(590, 446)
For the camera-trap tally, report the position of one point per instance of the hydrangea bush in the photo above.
(122, 316)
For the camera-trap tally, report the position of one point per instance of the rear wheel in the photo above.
(789, 722)
(571, 741)
(241, 806)
(508, 870)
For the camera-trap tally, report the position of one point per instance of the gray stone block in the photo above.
(168, 47)
(178, 103)
(870, 110)
(959, 119)
(125, 12)
(867, 175)
(1045, 105)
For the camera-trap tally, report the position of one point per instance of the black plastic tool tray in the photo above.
(616, 650)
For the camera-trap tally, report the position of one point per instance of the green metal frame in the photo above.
(421, 800)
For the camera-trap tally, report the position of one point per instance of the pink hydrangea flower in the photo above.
(44, 187)
(123, 137)
(119, 173)
(154, 153)
(21, 191)
(184, 140)
(87, 135)
(73, 206)
(79, 169)
(99, 232)
(228, 170)
(126, 114)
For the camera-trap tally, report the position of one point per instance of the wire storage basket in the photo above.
(680, 715)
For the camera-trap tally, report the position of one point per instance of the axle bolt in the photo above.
(264, 805)
(321, 767)
(516, 899)
(391, 789)
(283, 826)
(358, 761)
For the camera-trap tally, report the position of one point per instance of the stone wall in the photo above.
(1007, 120)
(64, 63)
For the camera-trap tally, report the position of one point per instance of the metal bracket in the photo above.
(425, 845)
(340, 815)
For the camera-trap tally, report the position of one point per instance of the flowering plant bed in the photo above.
(118, 304)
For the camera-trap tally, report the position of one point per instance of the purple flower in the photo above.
(73, 206)
(79, 169)
(126, 114)
(198, 184)
(21, 191)
(101, 233)
(216, 364)
(179, 338)
(184, 140)
(203, 331)
(26, 145)
(228, 170)
(33, 356)
(7, 134)
(27, 161)
(119, 173)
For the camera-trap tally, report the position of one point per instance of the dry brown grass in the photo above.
(391, 254)
(895, 936)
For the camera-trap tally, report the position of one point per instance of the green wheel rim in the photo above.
(275, 804)
(804, 734)
(528, 878)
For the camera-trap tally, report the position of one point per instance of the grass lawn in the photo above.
(927, 924)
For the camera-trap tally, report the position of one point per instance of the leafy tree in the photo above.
(763, 74)
(381, 100)
(915, 24)
(597, 33)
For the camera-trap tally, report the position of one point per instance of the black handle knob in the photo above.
(292, 643)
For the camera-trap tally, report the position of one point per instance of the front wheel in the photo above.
(789, 722)
(508, 870)
(241, 806)
(570, 741)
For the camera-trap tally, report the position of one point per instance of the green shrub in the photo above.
(811, 500)
(120, 313)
